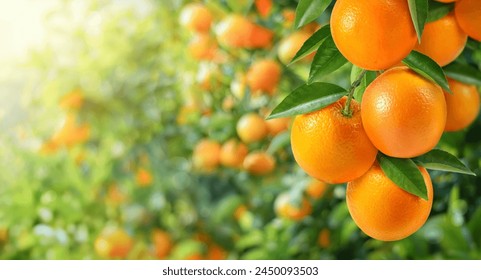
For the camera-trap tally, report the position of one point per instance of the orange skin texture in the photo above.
(373, 34)
(383, 210)
(330, 146)
(285, 209)
(468, 15)
(316, 189)
(259, 163)
(251, 128)
(277, 126)
(233, 153)
(202, 47)
(442, 40)
(196, 17)
(290, 45)
(162, 243)
(462, 106)
(113, 244)
(237, 31)
(207, 154)
(264, 76)
(403, 113)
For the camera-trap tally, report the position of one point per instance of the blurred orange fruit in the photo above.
(196, 17)
(290, 45)
(232, 153)
(324, 238)
(264, 7)
(383, 210)
(206, 155)
(143, 177)
(277, 126)
(240, 211)
(462, 106)
(115, 195)
(259, 163)
(264, 76)
(332, 147)
(113, 243)
(442, 40)
(316, 189)
(73, 100)
(373, 34)
(251, 128)
(215, 252)
(162, 243)
(287, 209)
(3, 235)
(202, 47)
(403, 113)
(237, 31)
(71, 132)
(468, 15)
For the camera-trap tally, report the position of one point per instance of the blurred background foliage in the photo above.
(118, 85)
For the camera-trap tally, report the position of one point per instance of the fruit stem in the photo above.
(347, 108)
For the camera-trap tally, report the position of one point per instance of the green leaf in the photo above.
(308, 98)
(463, 73)
(438, 10)
(309, 10)
(405, 174)
(419, 14)
(441, 160)
(365, 81)
(327, 60)
(427, 68)
(279, 141)
(312, 43)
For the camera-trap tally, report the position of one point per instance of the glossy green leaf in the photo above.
(438, 10)
(327, 60)
(365, 81)
(441, 160)
(279, 141)
(312, 43)
(309, 10)
(308, 98)
(405, 174)
(419, 14)
(427, 68)
(463, 73)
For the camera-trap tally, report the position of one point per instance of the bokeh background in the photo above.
(102, 106)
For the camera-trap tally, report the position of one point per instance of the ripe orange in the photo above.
(468, 15)
(276, 126)
(143, 177)
(442, 40)
(264, 76)
(403, 113)
(289, 16)
(215, 252)
(324, 238)
(73, 100)
(113, 243)
(330, 146)
(383, 210)
(251, 128)
(71, 132)
(232, 153)
(237, 31)
(196, 17)
(162, 243)
(373, 34)
(259, 163)
(264, 7)
(316, 189)
(290, 45)
(202, 47)
(206, 155)
(285, 208)
(462, 106)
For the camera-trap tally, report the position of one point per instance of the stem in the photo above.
(347, 108)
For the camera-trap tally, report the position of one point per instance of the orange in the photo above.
(202, 47)
(290, 45)
(228, 103)
(143, 177)
(240, 211)
(71, 132)
(373, 34)
(289, 16)
(383, 210)
(206, 155)
(286, 208)
(442, 40)
(332, 147)
(113, 243)
(232, 153)
(324, 238)
(237, 31)
(48, 148)
(259, 163)
(115, 195)
(462, 105)
(162, 243)
(264, 7)
(403, 113)
(207, 77)
(72, 101)
(215, 252)
(264, 76)
(468, 15)
(251, 128)
(277, 126)
(316, 189)
(196, 17)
